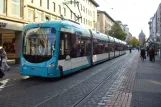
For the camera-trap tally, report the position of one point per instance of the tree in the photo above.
(133, 41)
(117, 32)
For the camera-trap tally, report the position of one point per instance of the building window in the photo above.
(31, 15)
(64, 11)
(40, 2)
(84, 9)
(2, 6)
(86, 21)
(93, 15)
(40, 16)
(15, 7)
(54, 6)
(74, 3)
(47, 4)
(81, 6)
(59, 9)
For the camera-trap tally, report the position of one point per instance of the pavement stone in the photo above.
(147, 87)
(140, 85)
(123, 94)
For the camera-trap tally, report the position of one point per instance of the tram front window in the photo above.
(39, 44)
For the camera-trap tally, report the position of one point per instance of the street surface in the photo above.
(96, 86)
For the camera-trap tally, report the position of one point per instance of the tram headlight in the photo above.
(51, 65)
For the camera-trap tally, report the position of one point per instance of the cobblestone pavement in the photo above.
(73, 90)
(123, 86)
(135, 84)
(140, 85)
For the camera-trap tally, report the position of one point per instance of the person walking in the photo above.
(130, 50)
(4, 61)
(153, 54)
(147, 51)
(142, 54)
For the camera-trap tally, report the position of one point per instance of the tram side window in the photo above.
(65, 45)
(113, 46)
(75, 52)
(95, 46)
(103, 46)
(117, 47)
(121, 47)
(85, 46)
(106, 47)
(110, 47)
(99, 47)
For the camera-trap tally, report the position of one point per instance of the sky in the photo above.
(135, 13)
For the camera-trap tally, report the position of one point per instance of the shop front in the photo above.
(10, 39)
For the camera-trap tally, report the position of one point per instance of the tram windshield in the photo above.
(39, 44)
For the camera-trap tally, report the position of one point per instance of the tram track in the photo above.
(102, 82)
(66, 90)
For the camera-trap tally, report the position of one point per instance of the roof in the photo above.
(99, 11)
(94, 2)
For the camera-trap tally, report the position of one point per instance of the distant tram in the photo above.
(57, 48)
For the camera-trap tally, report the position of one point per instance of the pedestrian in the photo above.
(142, 54)
(147, 51)
(153, 54)
(4, 61)
(130, 50)
(2, 74)
(1, 56)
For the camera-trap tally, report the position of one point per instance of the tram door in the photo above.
(65, 52)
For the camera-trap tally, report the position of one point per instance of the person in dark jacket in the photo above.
(147, 51)
(142, 54)
(151, 54)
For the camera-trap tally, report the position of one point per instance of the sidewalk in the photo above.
(14, 71)
(140, 87)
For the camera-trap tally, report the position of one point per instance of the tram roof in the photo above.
(111, 39)
(65, 25)
(98, 35)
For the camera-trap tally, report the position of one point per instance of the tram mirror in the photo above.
(67, 57)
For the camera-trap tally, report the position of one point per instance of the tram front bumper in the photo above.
(38, 71)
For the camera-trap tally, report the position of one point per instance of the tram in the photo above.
(57, 48)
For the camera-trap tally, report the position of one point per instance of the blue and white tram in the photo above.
(57, 48)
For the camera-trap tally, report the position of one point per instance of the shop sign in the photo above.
(2, 24)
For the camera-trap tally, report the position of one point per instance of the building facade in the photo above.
(11, 24)
(15, 14)
(155, 28)
(128, 34)
(104, 22)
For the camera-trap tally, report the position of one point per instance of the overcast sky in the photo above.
(134, 13)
